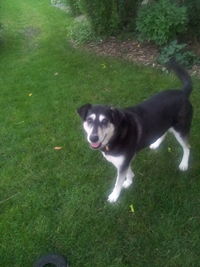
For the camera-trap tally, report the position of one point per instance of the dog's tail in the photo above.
(183, 75)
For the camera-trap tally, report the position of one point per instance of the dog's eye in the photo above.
(104, 122)
(89, 120)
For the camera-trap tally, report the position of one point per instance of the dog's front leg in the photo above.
(121, 176)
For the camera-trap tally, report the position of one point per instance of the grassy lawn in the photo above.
(55, 200)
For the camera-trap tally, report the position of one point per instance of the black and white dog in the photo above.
(120, 133)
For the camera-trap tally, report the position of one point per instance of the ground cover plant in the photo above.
(162, 23)
(53, 187)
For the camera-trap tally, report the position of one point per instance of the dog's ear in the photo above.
(116, 115)
(83, 110)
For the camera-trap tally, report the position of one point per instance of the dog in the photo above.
(119, 133)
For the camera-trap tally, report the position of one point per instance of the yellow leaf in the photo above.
(57, 147)
(132, 208)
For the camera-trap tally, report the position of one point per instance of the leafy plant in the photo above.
(127, 10)
(178, 51)
(193, 9)
(161, 21)
(80, 31)
(103, 16)
(74, 7)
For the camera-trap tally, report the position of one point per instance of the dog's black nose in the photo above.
(94, 138)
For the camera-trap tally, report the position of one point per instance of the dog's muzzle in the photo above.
(94, 141)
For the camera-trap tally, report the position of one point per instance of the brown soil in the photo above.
(131, 50)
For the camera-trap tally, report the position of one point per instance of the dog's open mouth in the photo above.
(95, 145)
(98, 144)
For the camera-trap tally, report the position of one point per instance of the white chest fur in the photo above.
(116, 161)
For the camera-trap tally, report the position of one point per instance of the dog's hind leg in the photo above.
(183, 166)
(129, 178)
(156, 144)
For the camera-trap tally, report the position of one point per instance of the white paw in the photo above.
(127, 183)
(183, 166)
(113, 197)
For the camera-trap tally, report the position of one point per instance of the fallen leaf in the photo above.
(132, 208)
(57, 147)
(103, 66)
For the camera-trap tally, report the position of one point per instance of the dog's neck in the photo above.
(105, 148)
(114, 141)
(121, 135)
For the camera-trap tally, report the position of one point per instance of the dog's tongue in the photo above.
(95, 145)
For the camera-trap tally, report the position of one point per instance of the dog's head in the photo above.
(99, 123)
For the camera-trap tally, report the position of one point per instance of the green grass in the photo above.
(55, 201)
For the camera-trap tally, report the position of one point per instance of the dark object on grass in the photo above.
(57, 260)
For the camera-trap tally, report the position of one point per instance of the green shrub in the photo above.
(80, 31)
(109, 17)
(127, 10)
(193, 9)
(103, 16)
(74, 7)
(161, 21)
(179, 52)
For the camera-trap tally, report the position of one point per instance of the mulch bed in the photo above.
(131, 50)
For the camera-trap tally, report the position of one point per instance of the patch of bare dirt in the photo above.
(131, 50)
